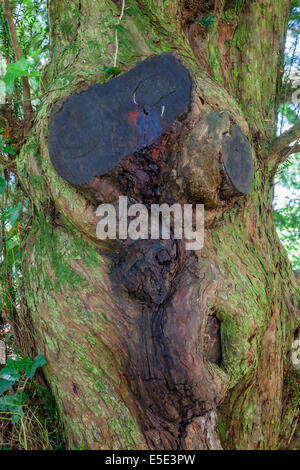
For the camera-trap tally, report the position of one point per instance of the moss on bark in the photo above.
(251, 286)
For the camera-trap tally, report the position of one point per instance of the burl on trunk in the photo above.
(149, 136)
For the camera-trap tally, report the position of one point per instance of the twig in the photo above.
(22, 388)
(291, 149)
(116, 33)
(8, 165)
(14, 39)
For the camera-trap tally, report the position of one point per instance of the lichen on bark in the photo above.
(80, 313)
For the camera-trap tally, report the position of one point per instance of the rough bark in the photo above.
(150, 346)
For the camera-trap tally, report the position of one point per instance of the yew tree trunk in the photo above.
(150, 346)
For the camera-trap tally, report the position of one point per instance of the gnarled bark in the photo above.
(150, 346)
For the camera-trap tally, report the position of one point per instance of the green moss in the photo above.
(69, 328)
(214, 60)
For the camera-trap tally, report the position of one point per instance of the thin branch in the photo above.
(116, 33)
(8, 165)
(285, 139)
(14, 39)
(291, 149)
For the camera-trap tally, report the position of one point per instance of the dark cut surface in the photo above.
(237, 157)
(96, 129)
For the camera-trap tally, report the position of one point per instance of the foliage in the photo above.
(111, 71)
(12, 208)
(30, 19)
(206, 20)
(287, 182)
(17, 69)
(23, 425)
(286, 217)
(28, 415)
(12, 373)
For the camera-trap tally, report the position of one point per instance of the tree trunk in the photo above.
(150, 346)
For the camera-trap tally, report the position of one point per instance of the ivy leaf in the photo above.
(26, 364)
(2, 185)
(14, 366)
(12, 370)
(15, 214)
(14, 404)
(5, 385)
(39, 361)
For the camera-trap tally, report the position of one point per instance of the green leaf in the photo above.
(15, 214)
(28, 3)
(206, 20)
(19, 68)
(9, 80)
(14, 404)
(26, 364)
(14, 366)
(5, 385)
(111, 71)
(2, 185)
(35, 73)
(12, 370)
(9, 149)
(39, 361)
